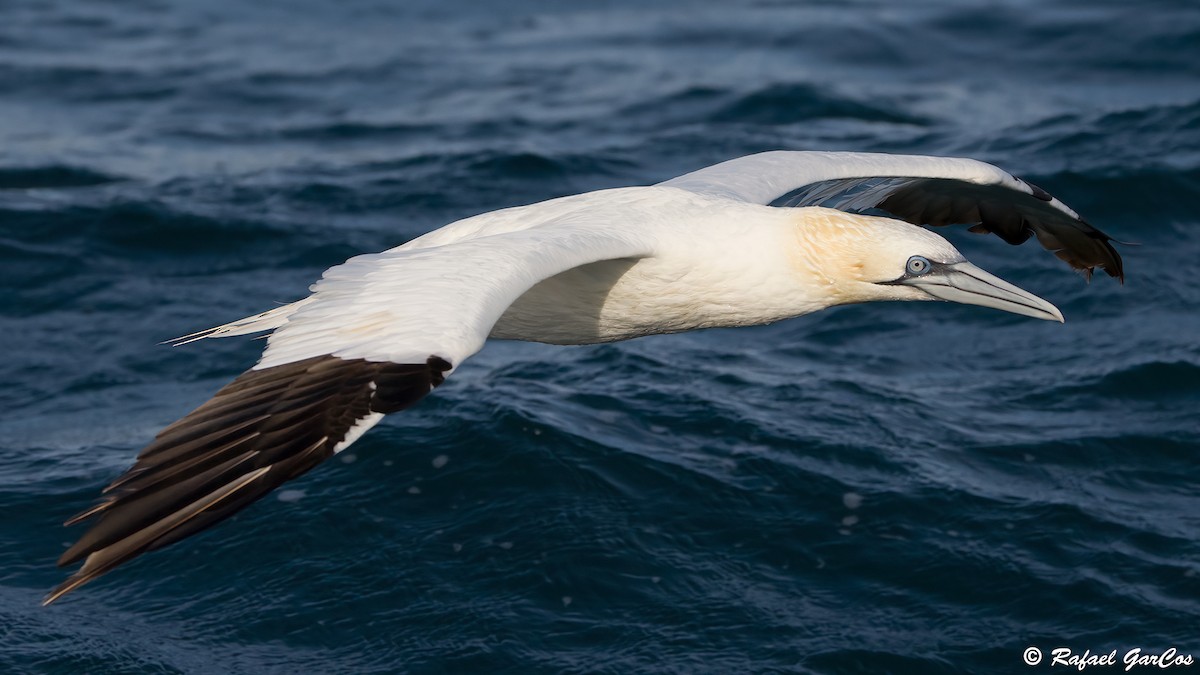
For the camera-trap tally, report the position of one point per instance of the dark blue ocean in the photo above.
(910, 488)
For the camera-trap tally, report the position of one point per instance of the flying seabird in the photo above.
(745, 242)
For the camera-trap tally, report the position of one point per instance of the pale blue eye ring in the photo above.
(918, 266)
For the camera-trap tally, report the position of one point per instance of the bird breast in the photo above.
(623, 299)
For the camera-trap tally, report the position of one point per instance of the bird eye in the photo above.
(917, 266)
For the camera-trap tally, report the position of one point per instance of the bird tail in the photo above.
(268, 320)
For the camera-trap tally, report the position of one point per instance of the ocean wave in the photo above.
(141, 228)
(1170, 382)
(1124, 143)
(792, 103)
(92, 84)
(375, 131)
(52, 176)
(770, 105)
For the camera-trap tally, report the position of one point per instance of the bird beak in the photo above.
(966, 283)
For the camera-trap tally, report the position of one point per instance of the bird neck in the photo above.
(737, 266)
(755, 265)
(832, 256)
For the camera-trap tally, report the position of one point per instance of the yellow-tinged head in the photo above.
(858, 258)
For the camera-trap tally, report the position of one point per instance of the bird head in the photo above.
(868, 258)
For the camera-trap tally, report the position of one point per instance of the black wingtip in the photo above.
(1038, 192)
(259, 431)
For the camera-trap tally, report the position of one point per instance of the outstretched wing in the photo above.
(922, 190)
(378, 334)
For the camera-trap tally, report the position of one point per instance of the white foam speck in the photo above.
(655, 580)
(456, 547)
(506, 545)
(388, 462)
(349, 459)
(289, 495)
(567, 600)
(414, 490)
(852, 500)
(849, 521)
(440, 461)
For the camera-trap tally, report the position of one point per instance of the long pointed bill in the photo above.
(966, 283)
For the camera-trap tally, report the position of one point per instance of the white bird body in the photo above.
(671, 260)
(639, 261)
(718, 265)
(703, 250)
(709, 264)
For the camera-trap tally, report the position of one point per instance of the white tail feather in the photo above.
(268, 320)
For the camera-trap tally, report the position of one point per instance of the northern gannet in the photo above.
(709, 248)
